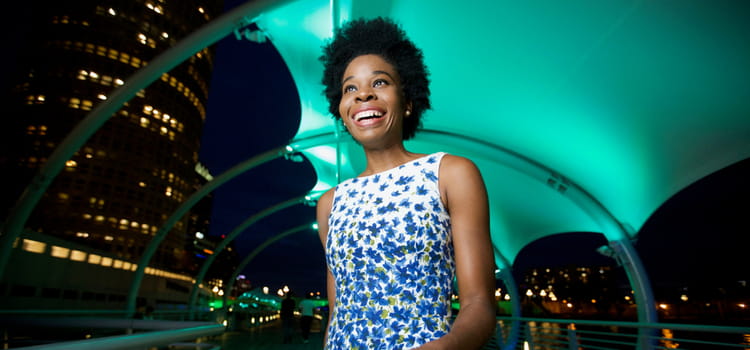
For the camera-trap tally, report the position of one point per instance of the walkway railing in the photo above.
(108, 329)
(538, 333)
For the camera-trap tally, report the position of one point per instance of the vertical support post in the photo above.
(506, 275)
(529, 341)
(644, 296)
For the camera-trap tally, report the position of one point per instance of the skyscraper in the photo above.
(129, 177)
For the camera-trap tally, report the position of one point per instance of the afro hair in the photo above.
(382, 37)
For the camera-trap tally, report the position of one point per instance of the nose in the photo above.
(365, 94)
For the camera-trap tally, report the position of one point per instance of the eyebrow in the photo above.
(373, 73)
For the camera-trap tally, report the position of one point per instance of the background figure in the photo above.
(306, 309)
(287, 318)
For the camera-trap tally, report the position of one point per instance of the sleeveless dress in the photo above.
(390, 252)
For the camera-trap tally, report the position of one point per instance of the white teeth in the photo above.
(367, 114)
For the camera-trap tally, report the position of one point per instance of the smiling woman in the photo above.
(397, 235)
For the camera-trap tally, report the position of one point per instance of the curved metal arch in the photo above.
(203, 37)
(230, 237)
(616, 233)
(256, 251)
(505, 273)
(202, 192)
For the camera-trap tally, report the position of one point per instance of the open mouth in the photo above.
(367, 115)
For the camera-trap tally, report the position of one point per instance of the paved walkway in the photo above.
(268, 337)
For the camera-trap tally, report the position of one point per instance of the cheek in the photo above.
(343, 108)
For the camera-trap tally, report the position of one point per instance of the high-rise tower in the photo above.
(117, 190)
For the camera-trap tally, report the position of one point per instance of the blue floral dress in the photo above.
(389, 249)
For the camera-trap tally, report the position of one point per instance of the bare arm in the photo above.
(465, 197)
(323, 211)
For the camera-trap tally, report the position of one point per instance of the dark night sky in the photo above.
(254, 107)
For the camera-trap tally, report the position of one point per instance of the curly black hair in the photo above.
(385, 38)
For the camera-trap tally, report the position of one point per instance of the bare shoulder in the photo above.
(326, 201)
(323, 210)
(460, 181)
(457, 167)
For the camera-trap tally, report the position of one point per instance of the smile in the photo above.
(368, 114)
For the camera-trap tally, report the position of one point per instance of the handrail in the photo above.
(146, 339)
(548, 333)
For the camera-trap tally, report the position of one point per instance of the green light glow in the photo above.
(630, 100)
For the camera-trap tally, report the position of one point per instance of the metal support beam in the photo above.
(255, 252)
(615, 232)
(229, 238)
(505, 273)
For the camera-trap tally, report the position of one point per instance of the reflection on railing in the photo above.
(102, 329)
(611, 335)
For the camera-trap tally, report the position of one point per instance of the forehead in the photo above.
(367, 65)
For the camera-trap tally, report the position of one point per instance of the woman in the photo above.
(398, 234)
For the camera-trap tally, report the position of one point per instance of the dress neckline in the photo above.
(398, 166)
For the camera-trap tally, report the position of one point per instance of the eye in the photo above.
(349, 88)
(379, 82)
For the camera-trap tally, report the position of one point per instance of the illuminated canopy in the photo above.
(630, 100)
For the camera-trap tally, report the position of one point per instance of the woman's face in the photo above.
(372, 104)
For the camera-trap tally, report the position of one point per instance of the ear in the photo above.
(408, 109)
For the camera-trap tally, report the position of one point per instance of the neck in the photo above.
(382, 159)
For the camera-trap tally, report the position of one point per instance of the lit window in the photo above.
(144, 122)
(165, 35)
(117, 264)
(33, 246)
(119, 82)
(95, 259)
(82, 234)
(124, 58)
(201, 10)
(109, 238)
(63, 196)
(111, 11)
(163, 130)
(71, 164)
(74, 103)
(126, 265)
(102, 97)
(99, 218)
(94, 75)
(77, 255)
(87, 216)
(106, 261)
(142, 185)
(168, 192)
(148, 109)
(59, 252)
(86, 105)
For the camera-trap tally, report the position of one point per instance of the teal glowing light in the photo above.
(623, 99)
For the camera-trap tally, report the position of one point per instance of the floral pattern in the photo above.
(389, 249)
